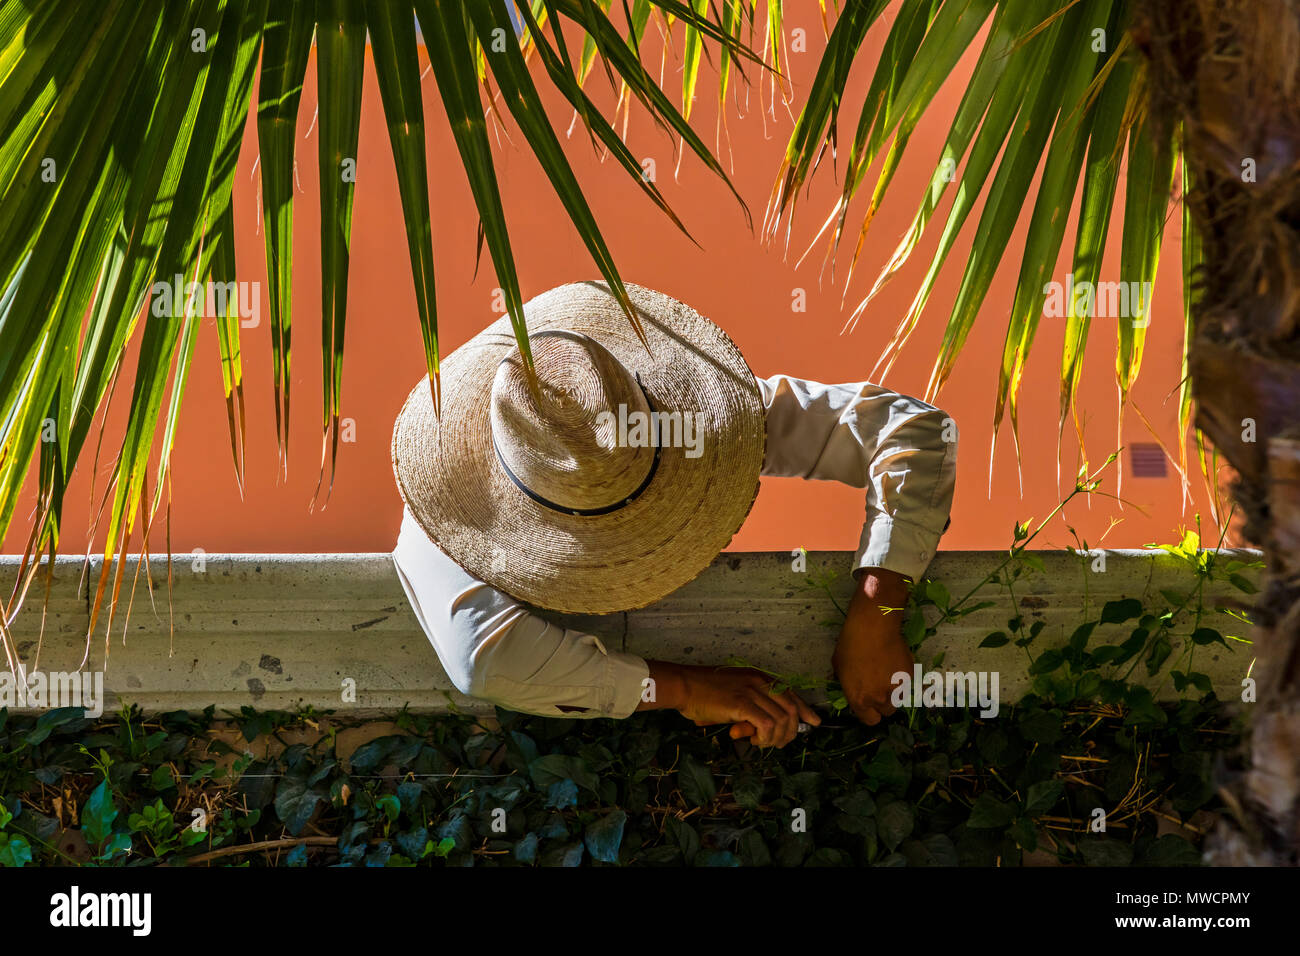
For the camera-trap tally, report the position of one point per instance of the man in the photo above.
(614, 477)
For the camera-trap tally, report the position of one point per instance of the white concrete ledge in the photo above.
(278, 631)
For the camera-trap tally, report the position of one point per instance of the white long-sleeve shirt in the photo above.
(901, 450)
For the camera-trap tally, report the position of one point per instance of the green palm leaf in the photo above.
(340, 66)
(1016, 141)
(450, 53)
(120, 129)
(286, 45)
(397, 65)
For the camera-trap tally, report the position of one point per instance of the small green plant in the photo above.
(15, 851)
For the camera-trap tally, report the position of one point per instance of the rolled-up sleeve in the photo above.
(900, 449)
(495, 649)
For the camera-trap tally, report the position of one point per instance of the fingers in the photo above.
(883, 706)
(806, 713)
(753, 720)
(785, 715)
(790, 709)
(802, 712)
(747, 702)
(869, 712)
(766, 715)
(737, 731)
(798, 711)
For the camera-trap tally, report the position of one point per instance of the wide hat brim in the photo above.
(451, 479)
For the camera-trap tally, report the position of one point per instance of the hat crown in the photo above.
(560, 442)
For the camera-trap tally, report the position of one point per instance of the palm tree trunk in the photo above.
(1228, 73)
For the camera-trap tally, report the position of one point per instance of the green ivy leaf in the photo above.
(936, 849)
(562, 794)
(747, 789)
(990, 813)
(566, 856)
(295, 802)
(98, 814)
(1105, 851)
(1042, 796)
(1041, 726)
(1088, 686)
(696, 782)
(886, 770)
(526, 849)
(1025, 834)
(802, 789)
(894, 822)
(115, 844)
(661, 856)
(992, 743)
(605, 836)
(162, 778)
(390, 806)
(408, 795)
(936, 767)
(828, 856)
(15, 851)
(914, 629)
(1170, 850)
(996, 639)
(1033, 561)
(685, 836)
(553, 768)
(717, 858)
(753, 849)
(50, 720)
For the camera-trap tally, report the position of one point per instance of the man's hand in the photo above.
(871, 647)
(739, 696)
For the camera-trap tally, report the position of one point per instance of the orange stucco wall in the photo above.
(733, 278)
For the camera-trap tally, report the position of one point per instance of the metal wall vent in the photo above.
(1146, 460)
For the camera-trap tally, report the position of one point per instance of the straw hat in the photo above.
(574, 500)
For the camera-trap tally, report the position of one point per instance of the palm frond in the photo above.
(120, 128)
(1053, 101)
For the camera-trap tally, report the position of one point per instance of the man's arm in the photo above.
(903, 453)
(871, 648)
(739, 696)
(495, 649)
